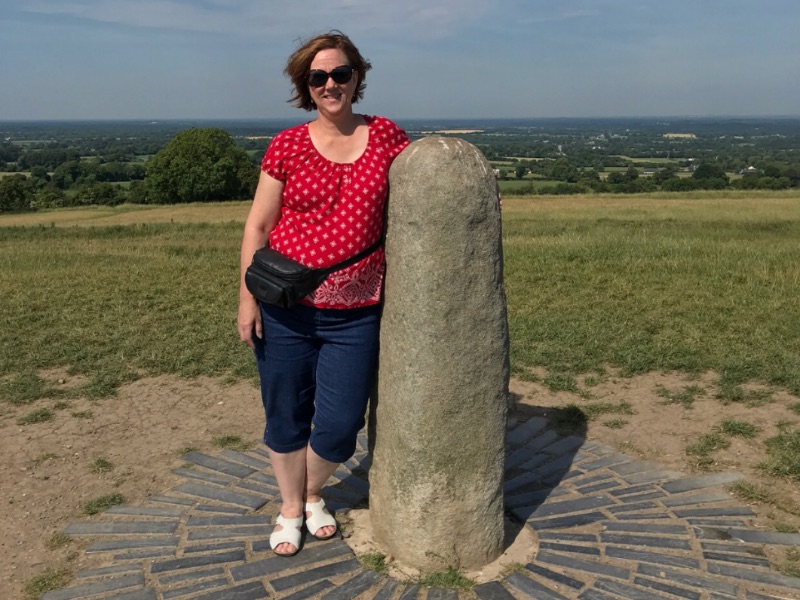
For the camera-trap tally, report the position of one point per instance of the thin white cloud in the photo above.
(254, 17)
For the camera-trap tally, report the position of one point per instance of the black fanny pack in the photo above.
(276, 279)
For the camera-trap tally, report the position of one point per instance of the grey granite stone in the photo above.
(648, 541)
(121, 528)
(626, 590)
(765, 577)
(605, 462)
(131, 544)
(708, 497)
(311, 591)
(730, 511)
(646, 528)
(191, 575)
(354, 586)
(202, 586)
(251, 460)
(567, 507)
(410, 592)
(532, 588)
(586, 566)
(565, 522)
(112, 570)
(690, 580)
(441, 594)
(204, 476)
(249, 591)
(569, 548)
(386, 591)
(228, 520)
(667, 588)
(276, 564)
(145, 511)
(217, 464)
(526, 430)
(222, 533)
(737, 559)
(200, 548)
(556, 578)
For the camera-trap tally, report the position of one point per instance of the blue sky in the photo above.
(176, 59)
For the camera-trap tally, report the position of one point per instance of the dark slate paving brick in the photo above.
(258, 488)
(311, 591)
(765, 577)
(648, 541)
(217, 464)
(260, 451)
(756, 596)
(566, 522)
(566, 445)
(532, 588)
(143, 554)
(145, 594)
(249, 591)
(556, 468)
(228, 520)
(213, 547)
(162, 499)
(386, 591)
(592, 594)
(710, 497)
(350, 498)
(568, 537)
(203, 586)
(599, 487)
(276, 564)
(357, 484)
(104, 571)
(264, 478)
(732, 548)
(354, 586)
(191, 575)
(626, 590)
(492, 591)
(197, 561)
(222, 495)
(331, 570)
(605, 462)
(636, 489)
(644, 556)
(730, 511)
(145, 511)
(689, 580)
(577, 564)
(634, 507)
(646, 528)
(765, 537)
(522, 481)
(409, 593)
(567, 507)
(216, 508)
(529, 499)
(216, 533)
(672, 590)
(252, 461)
(633, 498)
(636, 466)
(526, 431)
(704, 481)
(651, 476)
(736, 558)
(93, 589)
(557, 578)
(204, 476)
(716, 522)
(659, 514)
(598, 449)
(441, 594)
(535, 461)
(122, 528)
(131, 544)
(569, 548)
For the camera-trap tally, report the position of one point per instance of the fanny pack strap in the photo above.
(353, 259)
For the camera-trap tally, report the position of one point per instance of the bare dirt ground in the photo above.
(46, 473)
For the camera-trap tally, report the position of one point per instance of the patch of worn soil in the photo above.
(46, 474)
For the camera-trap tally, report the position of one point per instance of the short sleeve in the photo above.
(273, 163)
(396, 139)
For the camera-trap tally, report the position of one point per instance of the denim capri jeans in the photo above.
(317, 367)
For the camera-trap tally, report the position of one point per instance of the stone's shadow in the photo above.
(541, 446)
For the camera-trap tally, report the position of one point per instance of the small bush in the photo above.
(52, 579)
(100, 504)
(784, 455)
(374, 561)
(232, 442)
(739, 428)
(450, 578)
(101, 465)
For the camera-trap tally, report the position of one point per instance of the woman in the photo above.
(320, 200)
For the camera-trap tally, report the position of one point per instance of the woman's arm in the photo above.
(263, 216)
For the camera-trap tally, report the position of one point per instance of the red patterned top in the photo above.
(332, 211)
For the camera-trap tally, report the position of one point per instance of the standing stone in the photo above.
(437, 419)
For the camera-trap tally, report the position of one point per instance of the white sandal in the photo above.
(319, 517)
(290, 533)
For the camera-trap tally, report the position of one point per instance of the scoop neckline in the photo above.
(368, 122)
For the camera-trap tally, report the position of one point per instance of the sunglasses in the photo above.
(318, 78)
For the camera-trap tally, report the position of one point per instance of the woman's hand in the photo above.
(249, 321)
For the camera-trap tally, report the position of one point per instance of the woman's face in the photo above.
(332, 98)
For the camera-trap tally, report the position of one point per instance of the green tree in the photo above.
(521, 171)
(16, 193)
(198, 165)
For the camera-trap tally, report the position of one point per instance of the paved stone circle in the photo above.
(609, 527)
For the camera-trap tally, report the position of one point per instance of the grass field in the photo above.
(710, 281)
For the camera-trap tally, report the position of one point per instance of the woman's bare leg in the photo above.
(290, 471)
(318, 471)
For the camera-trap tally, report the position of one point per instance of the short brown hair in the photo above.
(299, 62)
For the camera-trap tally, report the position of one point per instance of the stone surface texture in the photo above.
(439, 413)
